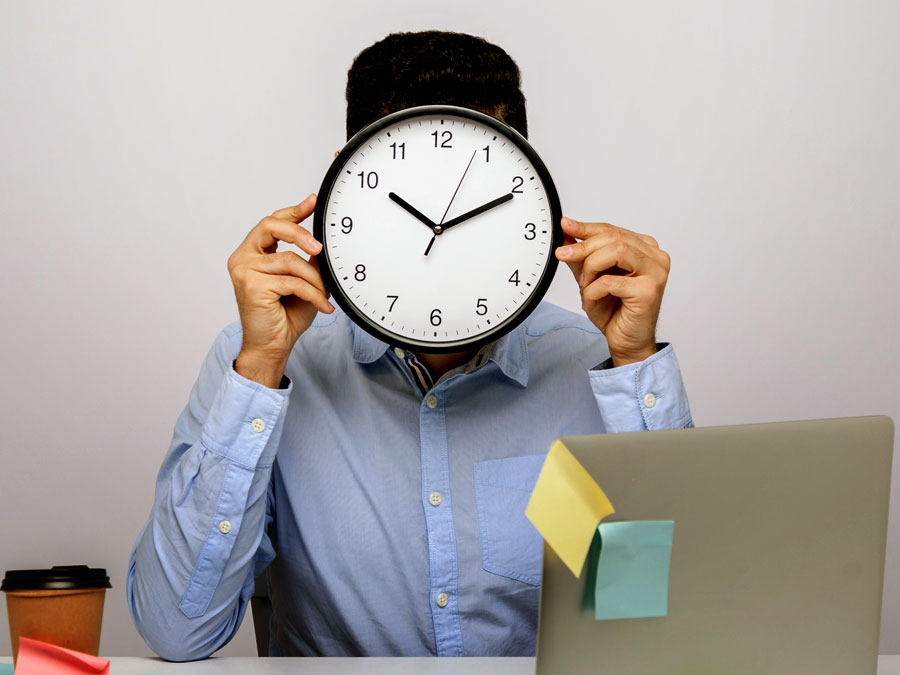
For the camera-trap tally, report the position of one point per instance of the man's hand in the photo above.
(278, 292)
(622, 276)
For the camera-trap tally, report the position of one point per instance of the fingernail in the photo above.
(564, 251)
(314, 244)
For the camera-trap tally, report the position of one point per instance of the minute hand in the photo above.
(477, 211)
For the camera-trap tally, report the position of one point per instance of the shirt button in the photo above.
(649, 400)
(399, 352)
(442, 599)
(435, 499)
(431, 401)
(257, 425)
(225, 526)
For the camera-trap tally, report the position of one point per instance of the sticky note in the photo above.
(40, 658)
(632, 578)
(566, 505)
(6, 669)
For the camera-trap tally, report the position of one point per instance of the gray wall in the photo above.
(758, 141)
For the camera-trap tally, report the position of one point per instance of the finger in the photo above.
(574, 266)
(578, 230)
(298, 212)
(620, 258)
(624, 288)
(289, 263)
(265, 236)
(286, 285)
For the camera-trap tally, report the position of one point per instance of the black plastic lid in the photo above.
(63, 577)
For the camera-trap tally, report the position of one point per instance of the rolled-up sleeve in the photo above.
(642, 396)
(192, 570)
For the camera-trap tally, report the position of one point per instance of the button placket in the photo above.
(443, 575)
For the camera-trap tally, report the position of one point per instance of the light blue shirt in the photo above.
(391, 519)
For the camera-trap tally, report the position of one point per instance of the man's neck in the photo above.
(440, 364)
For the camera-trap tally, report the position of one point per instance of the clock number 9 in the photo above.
(480, 307)
(370, 179)
(360, 274)
(435, 317)
(518, 185)
(530, 230)
(446, 135)
(346, 224)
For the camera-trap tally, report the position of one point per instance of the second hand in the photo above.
(437, 231)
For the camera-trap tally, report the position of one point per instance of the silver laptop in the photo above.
(777, 555)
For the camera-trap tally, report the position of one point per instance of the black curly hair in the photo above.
(409, 69)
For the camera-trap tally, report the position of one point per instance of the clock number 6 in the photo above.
(435, 317)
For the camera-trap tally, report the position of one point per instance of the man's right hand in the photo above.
(278, 292)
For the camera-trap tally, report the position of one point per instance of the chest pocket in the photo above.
(510, 544)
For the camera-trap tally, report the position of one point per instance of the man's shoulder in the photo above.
(549, 319)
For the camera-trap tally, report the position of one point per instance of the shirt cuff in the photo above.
(243, 420)
(641, 396)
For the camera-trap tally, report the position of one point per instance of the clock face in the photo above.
(439, 226)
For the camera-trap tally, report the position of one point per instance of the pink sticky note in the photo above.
(39, 658)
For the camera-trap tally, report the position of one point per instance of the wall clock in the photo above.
(439, 226)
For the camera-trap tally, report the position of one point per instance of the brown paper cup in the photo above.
(66, 618)
(67, 611)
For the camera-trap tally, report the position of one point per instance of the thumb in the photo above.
(575, 265)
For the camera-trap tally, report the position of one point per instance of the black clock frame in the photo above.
(447, 346)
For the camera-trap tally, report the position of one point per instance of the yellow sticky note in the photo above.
(566, 506)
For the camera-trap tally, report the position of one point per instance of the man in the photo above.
(385, 490)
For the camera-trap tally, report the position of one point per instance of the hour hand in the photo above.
(411, 209)
(478, 211)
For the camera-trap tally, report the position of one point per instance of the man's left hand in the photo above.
(622, 276)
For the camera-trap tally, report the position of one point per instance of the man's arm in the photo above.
(192, 570)
(622, 276)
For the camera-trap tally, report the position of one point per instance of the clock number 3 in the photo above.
(529, 227)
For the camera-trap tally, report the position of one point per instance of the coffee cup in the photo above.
(62, 606)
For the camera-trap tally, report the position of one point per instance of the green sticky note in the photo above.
(633, 569)
(6, 669)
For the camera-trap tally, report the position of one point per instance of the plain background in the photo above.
(758, 141)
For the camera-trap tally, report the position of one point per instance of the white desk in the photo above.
(122, 665)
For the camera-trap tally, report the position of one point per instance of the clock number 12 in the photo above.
(447, 136)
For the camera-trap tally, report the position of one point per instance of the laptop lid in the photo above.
(777, 557)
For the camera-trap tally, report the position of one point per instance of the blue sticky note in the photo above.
(633, 569)
(6, 669)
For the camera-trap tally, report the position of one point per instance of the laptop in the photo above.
(777, 556)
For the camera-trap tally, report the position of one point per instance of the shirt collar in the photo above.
(510, 352)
